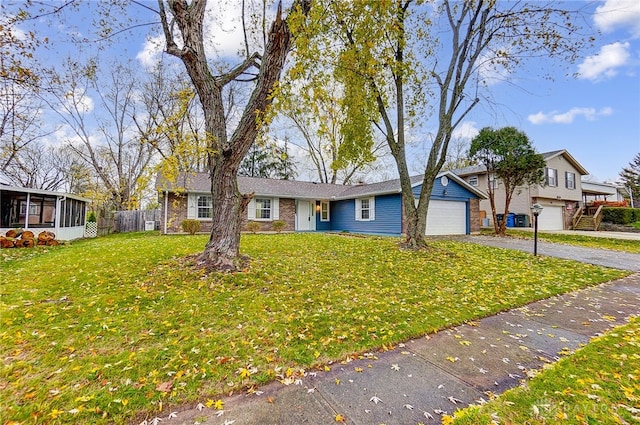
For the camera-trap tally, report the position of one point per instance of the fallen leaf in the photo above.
(165, 387)
(375, 399)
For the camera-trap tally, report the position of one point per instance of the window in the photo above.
(551, 177)
(570, 180)
(205, 206)
(365, 209)
(324, 211)
(263, 209)
(473, 180)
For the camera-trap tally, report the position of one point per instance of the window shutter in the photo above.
(192, 199)
(546, 176)
(251, 209)
(566, 179)
(372, 208)
(358, 209)
(275, 209)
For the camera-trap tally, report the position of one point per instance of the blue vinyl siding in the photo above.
(324, 226)
(454, 192)
(388, 216)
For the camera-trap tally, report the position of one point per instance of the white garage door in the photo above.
(551, 218)
(447, 218)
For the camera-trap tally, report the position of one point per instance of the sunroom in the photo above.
(38, 210)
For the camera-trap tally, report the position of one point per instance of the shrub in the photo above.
(279, 225)
(190, 226)
(254, 226)
(91, 217)
(620, 215)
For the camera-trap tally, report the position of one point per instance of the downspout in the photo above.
(166, 206)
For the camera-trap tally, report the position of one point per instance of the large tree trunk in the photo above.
(229, 206)
(222, 252)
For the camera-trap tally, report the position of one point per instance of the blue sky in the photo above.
(595, 116)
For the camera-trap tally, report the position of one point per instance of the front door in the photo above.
(305, 216)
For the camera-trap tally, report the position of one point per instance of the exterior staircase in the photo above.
(586, 222)
(582, 221)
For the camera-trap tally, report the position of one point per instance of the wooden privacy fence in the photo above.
(136, 221)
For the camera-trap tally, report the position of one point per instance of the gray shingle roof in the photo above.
(481, 169)
(199, 182)
(473, 169)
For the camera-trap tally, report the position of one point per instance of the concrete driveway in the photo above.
(600, 257)
(599, 234)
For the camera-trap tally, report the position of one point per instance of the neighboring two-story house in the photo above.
(560, 195)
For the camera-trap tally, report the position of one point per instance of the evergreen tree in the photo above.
(269, 161)
(630, 179)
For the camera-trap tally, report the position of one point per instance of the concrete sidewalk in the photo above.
(422, 379)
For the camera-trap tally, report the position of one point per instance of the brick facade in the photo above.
(287, 214)
(475, 222)
(177, 212)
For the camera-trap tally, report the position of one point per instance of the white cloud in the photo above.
(606, 62)
(223, 35)
(492, 68)
(79, 100)
(555, 117)
(466, 131)
(64, 134)
(151, 51)
(617, 14)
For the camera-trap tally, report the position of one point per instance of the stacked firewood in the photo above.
(18, 238)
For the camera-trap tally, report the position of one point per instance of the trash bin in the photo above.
(511, 220)
(522, 220)
(500, 218)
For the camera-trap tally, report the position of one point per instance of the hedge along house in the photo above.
(305, 206)
(39, 210)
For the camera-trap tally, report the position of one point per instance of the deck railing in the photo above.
(577, 216)
(597, 218)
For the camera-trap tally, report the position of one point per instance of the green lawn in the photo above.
(101, 330)
(632, 246)
(599, 384)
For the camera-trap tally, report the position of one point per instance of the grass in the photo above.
(102, 330)
(598, 384)
(632, 246)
